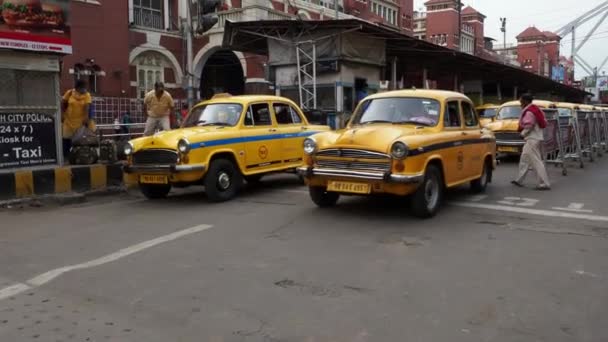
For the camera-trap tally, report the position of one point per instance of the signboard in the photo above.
(558, 73)
(27, 139)
(36, 25)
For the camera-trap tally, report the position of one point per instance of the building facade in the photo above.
(538, 51)
(123, 47)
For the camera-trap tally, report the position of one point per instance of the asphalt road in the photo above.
(511, 265)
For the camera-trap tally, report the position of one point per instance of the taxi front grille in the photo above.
(355, 165)
(508, 136)
(155, 156)
(352, 153)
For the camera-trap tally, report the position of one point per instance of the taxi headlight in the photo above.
(183, 146)
(128, 149)
(399, 150)
(310, 146)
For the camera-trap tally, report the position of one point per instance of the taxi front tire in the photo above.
(480, 184)
(427, 199)
(154, 191)
(222, 181)
(323, 198)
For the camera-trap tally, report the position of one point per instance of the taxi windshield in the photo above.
(487, 113)
(510, 112)
(216, 114)
(398, 110)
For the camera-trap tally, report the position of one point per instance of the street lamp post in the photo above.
(503, 29)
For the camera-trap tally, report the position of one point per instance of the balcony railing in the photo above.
(148, 18)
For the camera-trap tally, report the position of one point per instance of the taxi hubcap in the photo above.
(223, 180)
(431, 193)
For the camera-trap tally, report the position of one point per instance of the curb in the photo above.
(60, 199)
(26, 184)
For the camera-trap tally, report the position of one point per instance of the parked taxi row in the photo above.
(412, 143)
(503, 120)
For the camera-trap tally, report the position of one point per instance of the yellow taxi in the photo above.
(407, 142)
(508, 138)
(487, 113)
(221, 142)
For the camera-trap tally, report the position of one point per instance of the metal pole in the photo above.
(459, 25)
(314, 74)
(538, 56)
(394, 73)
(189, 56)
(336, 8)
(300, 77)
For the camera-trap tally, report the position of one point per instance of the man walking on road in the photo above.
(531, 124)
(158, 104)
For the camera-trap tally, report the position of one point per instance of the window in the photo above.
(258, 115)
(286, 115)
(470, 118)
(150, 69)
(148, 13)
(452, 115)
(509, 112)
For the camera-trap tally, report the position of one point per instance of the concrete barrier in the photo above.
(58, 180)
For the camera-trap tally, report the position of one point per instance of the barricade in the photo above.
(604, 129)
(583, 121)
(597, 137)
(553, 145)
(571, 140)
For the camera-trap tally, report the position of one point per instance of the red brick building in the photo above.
(538, 51)
(123, 47)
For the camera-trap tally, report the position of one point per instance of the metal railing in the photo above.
(148, 18)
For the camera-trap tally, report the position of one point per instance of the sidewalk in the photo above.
(59, 180)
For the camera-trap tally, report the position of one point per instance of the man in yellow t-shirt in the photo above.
(158, 104)
(75, 103)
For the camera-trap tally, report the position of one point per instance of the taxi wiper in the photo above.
(375, 121)
(213, 124)
(412, 122)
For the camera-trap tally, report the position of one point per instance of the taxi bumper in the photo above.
(363, 175)
(163, 168)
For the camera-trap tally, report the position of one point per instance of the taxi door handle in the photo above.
(465, 133)
(304, 128)
(272, 130)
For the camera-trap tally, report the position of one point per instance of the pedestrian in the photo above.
(75, 105)
(361, 93)
(531, 124)
(158, 104)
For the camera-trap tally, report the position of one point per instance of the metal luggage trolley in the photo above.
(596, 131)
(604, 130)
(584, 123)
(573, 150)
(554, 147)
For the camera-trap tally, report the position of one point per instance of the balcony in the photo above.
(146, 18)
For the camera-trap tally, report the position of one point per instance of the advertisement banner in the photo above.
(36, 25)
(27, 139)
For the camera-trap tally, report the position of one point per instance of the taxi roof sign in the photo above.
(221, 96)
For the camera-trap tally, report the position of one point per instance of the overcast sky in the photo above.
(547, 15)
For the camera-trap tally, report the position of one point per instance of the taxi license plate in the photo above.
(508, 149)
(153, 179)
(355, 188)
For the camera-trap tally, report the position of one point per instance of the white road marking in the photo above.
(50, 275)
(477, 198)
(519, 201)
(13, 290)
(574, 207)
(548, 213)
(585, 273)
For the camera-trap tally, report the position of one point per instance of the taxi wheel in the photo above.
(427, 199)
(323, 198)
(479, 185)
(222, 181)
(152, 191)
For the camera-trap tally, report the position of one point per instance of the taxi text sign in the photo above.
(36, 25)
(27, 139)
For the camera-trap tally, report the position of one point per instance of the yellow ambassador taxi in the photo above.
(407, 142)
(487, 113)
(505, 127)
(221, 142)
